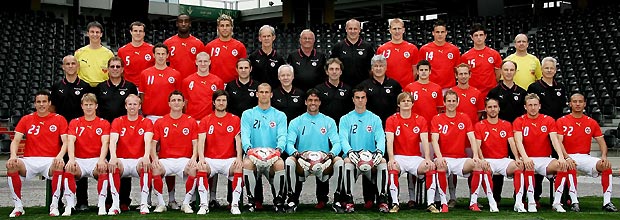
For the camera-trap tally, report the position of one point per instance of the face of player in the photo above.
(397, 29)
(463, 75)
(133, 106)
(286, 77)
(183, 24)
(266, 38)
(359, 100)
(353, 30)
(479, 37)
(548, 69)
(203, 61)
(378, 69)
(244, 69)
(334, 72)
(176, 103)
(264, 95)
(137, 33)
(508, 71)
(405, 104)
(89, 108)
(492, 109)
(577, 103)
(521, 43)
(424, 72)
(161, 55)
(306, 40)
(70, 65)
(451, 102)
(42, 103)
(115, 69)
(225, 29)
(532, 106)
(313, 103)
(221, 102)
(439, 34)
(94, 35)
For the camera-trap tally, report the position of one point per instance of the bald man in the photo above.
(528, 66)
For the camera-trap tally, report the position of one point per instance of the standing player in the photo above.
(442, 55)
(575, 132)
(335, 95)
(551, 92)
(87, 148)
(242, 91)
(485, 62)
(406, 134)
(199, 87)
(361, 130)
(93, 57)
(43, 153)
(493, 135)
(509, 95)
(381, 89)
(264, 127)
(265, 60)
(137, 54)
(355, 54)
(130, 147)
(156, 82)
(307, 62)
(312, 131)
(225, 51)
(473, 105)
(219, 147)
(183, 48)
(400, 55)
(287, 98)
(177, 134)
(450, 133)
(529, 67)
(535, 133)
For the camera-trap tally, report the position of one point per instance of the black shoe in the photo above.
(609, 207)
(338, 208)
(213, 204)
(291, 207)
(81, 207)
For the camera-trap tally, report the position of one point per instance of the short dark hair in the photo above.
(486, 102)
(475, 28)
(423, 63)
(94, 24)
(359, 88)
(311, 92)
(136, 23)
(451, 92)
(243, 60)
(438, 23)
(216, 94)
(44, 92)
(160, 45)
(176, 92)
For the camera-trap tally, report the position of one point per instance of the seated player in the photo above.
(575, 132)
(308, 143)
(405, 132)
(43, 153)
(130, 147)
(89, 137)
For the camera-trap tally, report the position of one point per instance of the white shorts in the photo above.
(499, 166)
(174, 166)
(541, 164)
(586, 164)
(36, 166)
(455, 166)
(130, 167)
(154, 118)
(87, 166)
(221, 166)
(409, 164)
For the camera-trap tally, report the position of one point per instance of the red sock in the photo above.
(443, 180)
(102, 177)
(236, 178)
(561, 175)
(170, 182)
(205, 178)
(142, 178)
(116, 177)
(517, 180)
(158, 184)
(17, 183)
(475, 181)
(56, 175)
(527, 174)
(394, 174)
(189, 184)
(605, 179)
(573, 177)
(429, 178)
(489, 176)
(70, 181)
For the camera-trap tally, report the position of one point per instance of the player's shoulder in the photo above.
(124, 47)
(171, 39)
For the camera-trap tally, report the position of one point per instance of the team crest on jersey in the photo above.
(98, 131)
(213, 87)
(295, 100)
(251, 94)
(193, 50)
(502, 134)
(559, 94)
(588, 130)
(53, 128)
(147, 57)
(369, 128)
(77, 92)
(273, 64)
(516, 98)
(406, 54)
(491, 60)
(313, 63)
(416, 130)
(122, 92)
(185, 131)
(229, 128)
(434, 94)
(543, 128)
(140, 131)
(461, 126)
(450, 55)
(235, 52)
(473, 100)
(387, 91)
(171, 79)
(272, 124)
(323, 130)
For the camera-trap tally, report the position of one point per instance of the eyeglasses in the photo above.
(115, 66)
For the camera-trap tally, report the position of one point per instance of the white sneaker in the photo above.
(519, 208)
(54, 211)
(531, 207)
(102, 211)
(174, 205)
(187, 209)
(160, 209)
(114, 211)
(144, 209)
(493, 208)
(17, 211)
(558, 208)
(234, 209)
(68, 211)
(203, 210)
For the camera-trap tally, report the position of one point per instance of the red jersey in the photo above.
(220, 135)
(494, 138)
(175, 136)
(535, 134)
(224, 56)
(443, 60)
(183, 53)
(136, 60)
(452, 134)
(578, 133)
(198, 91)
(470, 102)
(42, 134)
(401, 59)
(406, 133)
(131, 136)
(88, 136)
(483, 64)
(157, 86)
(426, 99)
